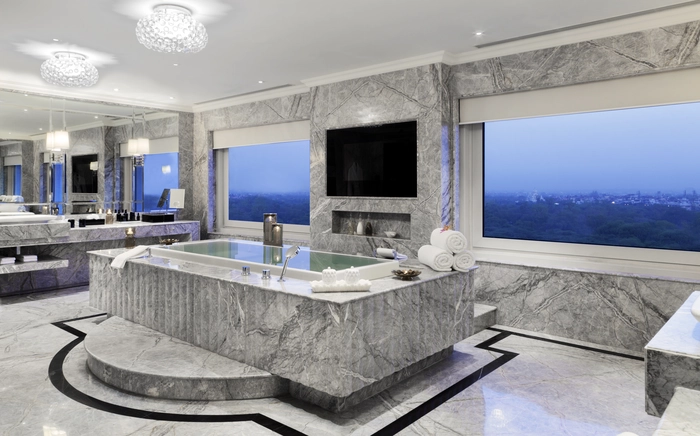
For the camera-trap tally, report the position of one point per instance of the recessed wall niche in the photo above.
(345, 223)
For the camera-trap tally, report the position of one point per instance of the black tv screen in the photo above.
(373, 161)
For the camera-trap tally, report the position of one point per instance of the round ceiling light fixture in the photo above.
(71, 69)
(171, 29)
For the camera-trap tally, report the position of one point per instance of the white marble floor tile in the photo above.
(548, 389)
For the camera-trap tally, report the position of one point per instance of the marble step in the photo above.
(137, 359)
(484, 317)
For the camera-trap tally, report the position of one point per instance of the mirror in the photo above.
(84, 168)
(91, 169)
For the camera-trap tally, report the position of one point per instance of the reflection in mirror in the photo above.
(84, 173)
(57, 184)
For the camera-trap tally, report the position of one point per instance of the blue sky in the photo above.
(161, 173)
(270, 168)
(646, 149)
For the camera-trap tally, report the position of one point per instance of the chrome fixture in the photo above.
(70, 69)
(291, 253)
(266, 274)
(171, 29)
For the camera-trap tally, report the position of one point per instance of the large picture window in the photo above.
(269, 178)
(160, 171)
(622, 177)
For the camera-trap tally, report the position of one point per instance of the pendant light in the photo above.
(57, 140)
(138, 146)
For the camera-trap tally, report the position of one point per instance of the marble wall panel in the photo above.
(273, 111)
(185, 134)
(614, 310)
(415, 94)
(648, 51)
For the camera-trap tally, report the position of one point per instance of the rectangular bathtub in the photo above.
(307, 265)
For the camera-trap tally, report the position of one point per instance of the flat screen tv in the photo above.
(373, 161)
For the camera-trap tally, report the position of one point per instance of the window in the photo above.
(263, 178)
(160, 171)
(656, 171)
(622, 178)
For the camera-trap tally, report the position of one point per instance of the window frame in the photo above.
(559, 255)
(224, 225)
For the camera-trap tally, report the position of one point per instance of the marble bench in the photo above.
(672, 358)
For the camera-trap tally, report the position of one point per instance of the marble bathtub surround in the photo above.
(681, 415)
(336, 344)
(673, 358)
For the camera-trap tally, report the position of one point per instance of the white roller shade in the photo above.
(680, 86)
(286, 132)
(12, 160)
(157, 146)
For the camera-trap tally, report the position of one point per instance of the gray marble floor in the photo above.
(545, 389)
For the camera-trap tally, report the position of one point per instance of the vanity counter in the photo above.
(67, 248)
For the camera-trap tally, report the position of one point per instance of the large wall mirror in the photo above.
(91, 167)
(84, 178)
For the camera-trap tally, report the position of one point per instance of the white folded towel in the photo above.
(449, 240)
(12, 207)
(120, 260)
(7, 260)
(27, 258)
(389, 253)
(464, 261)
(436, 258)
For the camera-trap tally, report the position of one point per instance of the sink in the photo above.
(24, 218)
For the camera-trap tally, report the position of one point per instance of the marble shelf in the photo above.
(672, 358)
(14, 235)
(44, 263)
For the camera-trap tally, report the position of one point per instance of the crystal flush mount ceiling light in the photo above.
(66, 68)
(171, 29)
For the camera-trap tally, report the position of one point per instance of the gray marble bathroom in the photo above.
(141, 292)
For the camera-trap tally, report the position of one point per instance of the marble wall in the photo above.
(273, 111)
(616, 310)
(420, 94)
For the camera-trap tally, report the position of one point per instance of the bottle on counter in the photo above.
(109, 217)
(368, 229)
(360, 227)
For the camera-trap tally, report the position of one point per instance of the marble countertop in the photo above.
(125, 225)
(681, 334)
(290, 285)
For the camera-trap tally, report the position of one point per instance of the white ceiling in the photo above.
(281, 42)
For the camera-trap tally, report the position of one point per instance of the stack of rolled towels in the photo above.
(7, 260)
(447, 251)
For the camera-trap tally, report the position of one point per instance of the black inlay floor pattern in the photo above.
(59, 381)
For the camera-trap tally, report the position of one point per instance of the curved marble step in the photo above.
(137, 359)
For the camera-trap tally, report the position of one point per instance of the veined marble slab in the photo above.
(12, 235)
(681, 416)
(44, 263)
(673, 358)
(137, 359)
(337, 344)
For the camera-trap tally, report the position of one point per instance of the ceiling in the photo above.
(279, 42)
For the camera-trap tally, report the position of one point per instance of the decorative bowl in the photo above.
(390, 234)
(169, 241)
(406, 274)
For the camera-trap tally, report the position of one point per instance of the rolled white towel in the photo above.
(120, 260)
(449, 240)
(388, 253)
(7, 260)
(464, 261)
(436, 258)
(12, 207)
